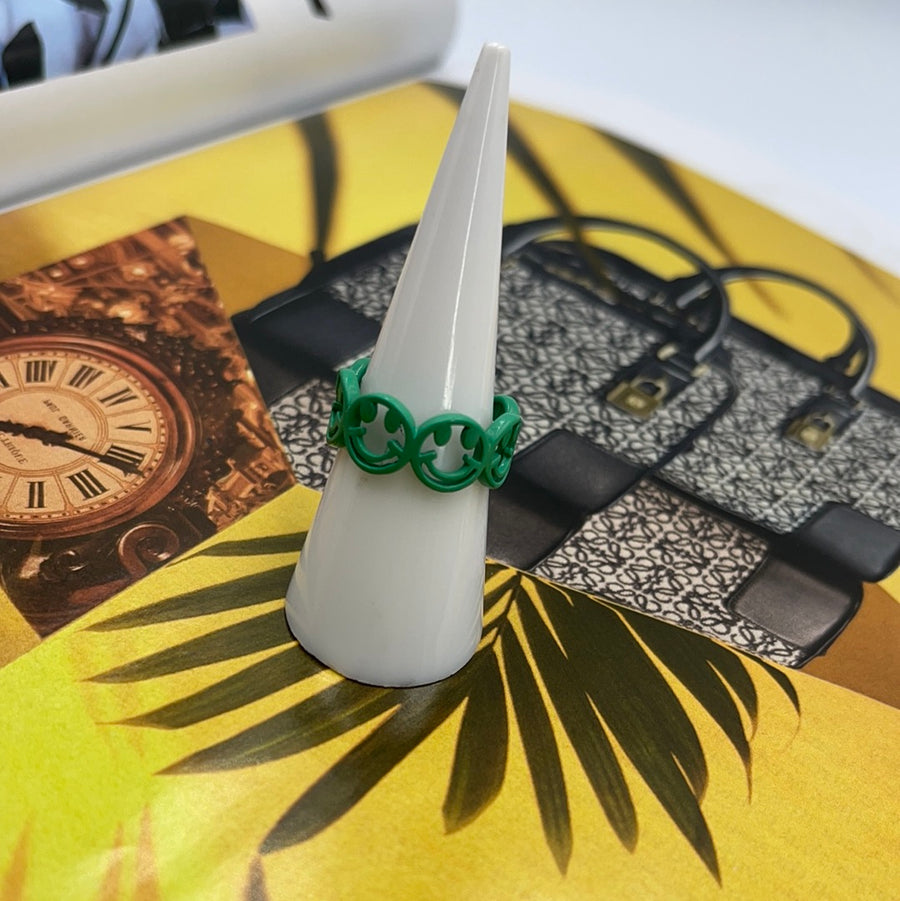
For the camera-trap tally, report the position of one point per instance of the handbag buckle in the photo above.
(814, 430)
(652, 382)
(640, 396)
(820, 420)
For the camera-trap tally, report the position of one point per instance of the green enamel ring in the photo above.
(485, 455)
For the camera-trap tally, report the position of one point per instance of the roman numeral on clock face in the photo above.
(39, 370)
(87, 483)
(122, 396)
(36, 495)
(84, 375)
(119, 454)
(3, 382)
(136, 426)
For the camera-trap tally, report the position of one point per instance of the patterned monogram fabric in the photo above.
(301, 419)
(45, 38)
(655, 552)
(745, 465)
(559, 352)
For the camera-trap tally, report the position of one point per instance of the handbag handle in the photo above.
(819, 419)
(854, 363)
(704, 338)
(861, 345)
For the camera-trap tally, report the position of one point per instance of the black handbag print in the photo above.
(620, 373)
(804, 448)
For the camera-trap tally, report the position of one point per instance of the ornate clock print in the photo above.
(89, 435)
(130, 428)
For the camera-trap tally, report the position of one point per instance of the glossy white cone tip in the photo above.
(389, 587)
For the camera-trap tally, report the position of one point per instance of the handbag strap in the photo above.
(816, 421)
(697, 344)
(852, 366)
(856, 360)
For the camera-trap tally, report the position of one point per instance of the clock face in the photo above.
(91, 434)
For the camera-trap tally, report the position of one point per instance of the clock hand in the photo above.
(61, 439)
(47, 436)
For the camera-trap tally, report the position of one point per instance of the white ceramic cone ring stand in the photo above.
(389, 587)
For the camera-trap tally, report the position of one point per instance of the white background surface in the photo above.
(794, 103)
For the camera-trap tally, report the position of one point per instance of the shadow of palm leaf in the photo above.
(14, 874)
(661, 173)
(557, 659)
(875, 276)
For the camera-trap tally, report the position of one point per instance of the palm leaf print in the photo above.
(551, 660)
